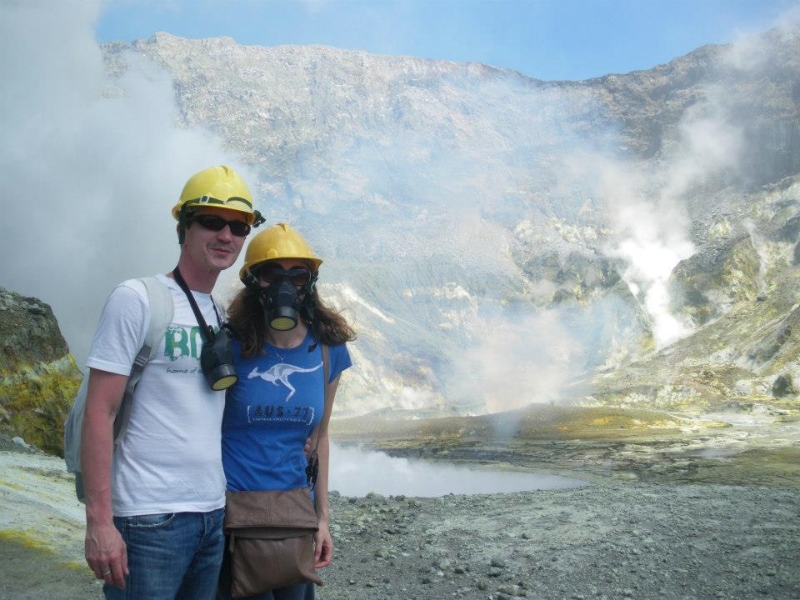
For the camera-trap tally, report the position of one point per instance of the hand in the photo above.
(307, 449)
(106, 554)
(323, 547)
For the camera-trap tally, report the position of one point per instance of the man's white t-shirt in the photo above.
(169, 458)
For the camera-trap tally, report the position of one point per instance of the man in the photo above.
(155, 498)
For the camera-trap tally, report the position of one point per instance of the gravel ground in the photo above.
(611, 539)
(626, 540)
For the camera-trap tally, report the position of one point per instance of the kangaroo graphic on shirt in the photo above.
(280, 374)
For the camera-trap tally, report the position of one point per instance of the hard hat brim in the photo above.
(176, 210)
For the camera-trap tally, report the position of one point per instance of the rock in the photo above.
(783, 386)
(38, 375)
(21, 443)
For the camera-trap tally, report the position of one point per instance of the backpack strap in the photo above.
(161, 311)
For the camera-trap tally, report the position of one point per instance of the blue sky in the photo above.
(546, 39)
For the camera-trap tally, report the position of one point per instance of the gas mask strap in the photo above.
(205, 330)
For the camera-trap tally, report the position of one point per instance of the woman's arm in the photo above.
(323, 552)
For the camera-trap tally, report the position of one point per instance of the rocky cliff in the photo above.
(482, 225)
(38, 375)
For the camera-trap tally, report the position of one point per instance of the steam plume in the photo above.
(91, 166)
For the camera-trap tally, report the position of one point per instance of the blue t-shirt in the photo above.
(271, 411)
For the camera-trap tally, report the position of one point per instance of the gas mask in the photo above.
(216, 361)
(282, 302)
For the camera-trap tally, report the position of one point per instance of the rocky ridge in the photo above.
(38, 375)
(382, 156)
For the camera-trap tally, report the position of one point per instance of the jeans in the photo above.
(300, 591)
(171, 556)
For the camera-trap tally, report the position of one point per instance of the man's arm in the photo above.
(105, 551)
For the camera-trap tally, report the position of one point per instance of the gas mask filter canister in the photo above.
(216, 361)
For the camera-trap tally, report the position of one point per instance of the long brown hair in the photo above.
(249, 324)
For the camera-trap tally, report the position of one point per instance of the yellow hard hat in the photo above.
(221, 187)
(275, 243)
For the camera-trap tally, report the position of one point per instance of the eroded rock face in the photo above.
(38, 375)
(29, 331)
(715, 279)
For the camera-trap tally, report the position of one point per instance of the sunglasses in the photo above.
(215, 223)
(271, 273)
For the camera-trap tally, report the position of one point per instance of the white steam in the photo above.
(356, 472)
(517, 358)
(90, 167)
(646, 205)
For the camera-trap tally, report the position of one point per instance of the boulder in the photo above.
(38, 375)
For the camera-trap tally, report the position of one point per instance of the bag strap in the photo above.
(161, 310)
(313, 459)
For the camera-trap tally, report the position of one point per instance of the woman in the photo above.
(279, 324)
